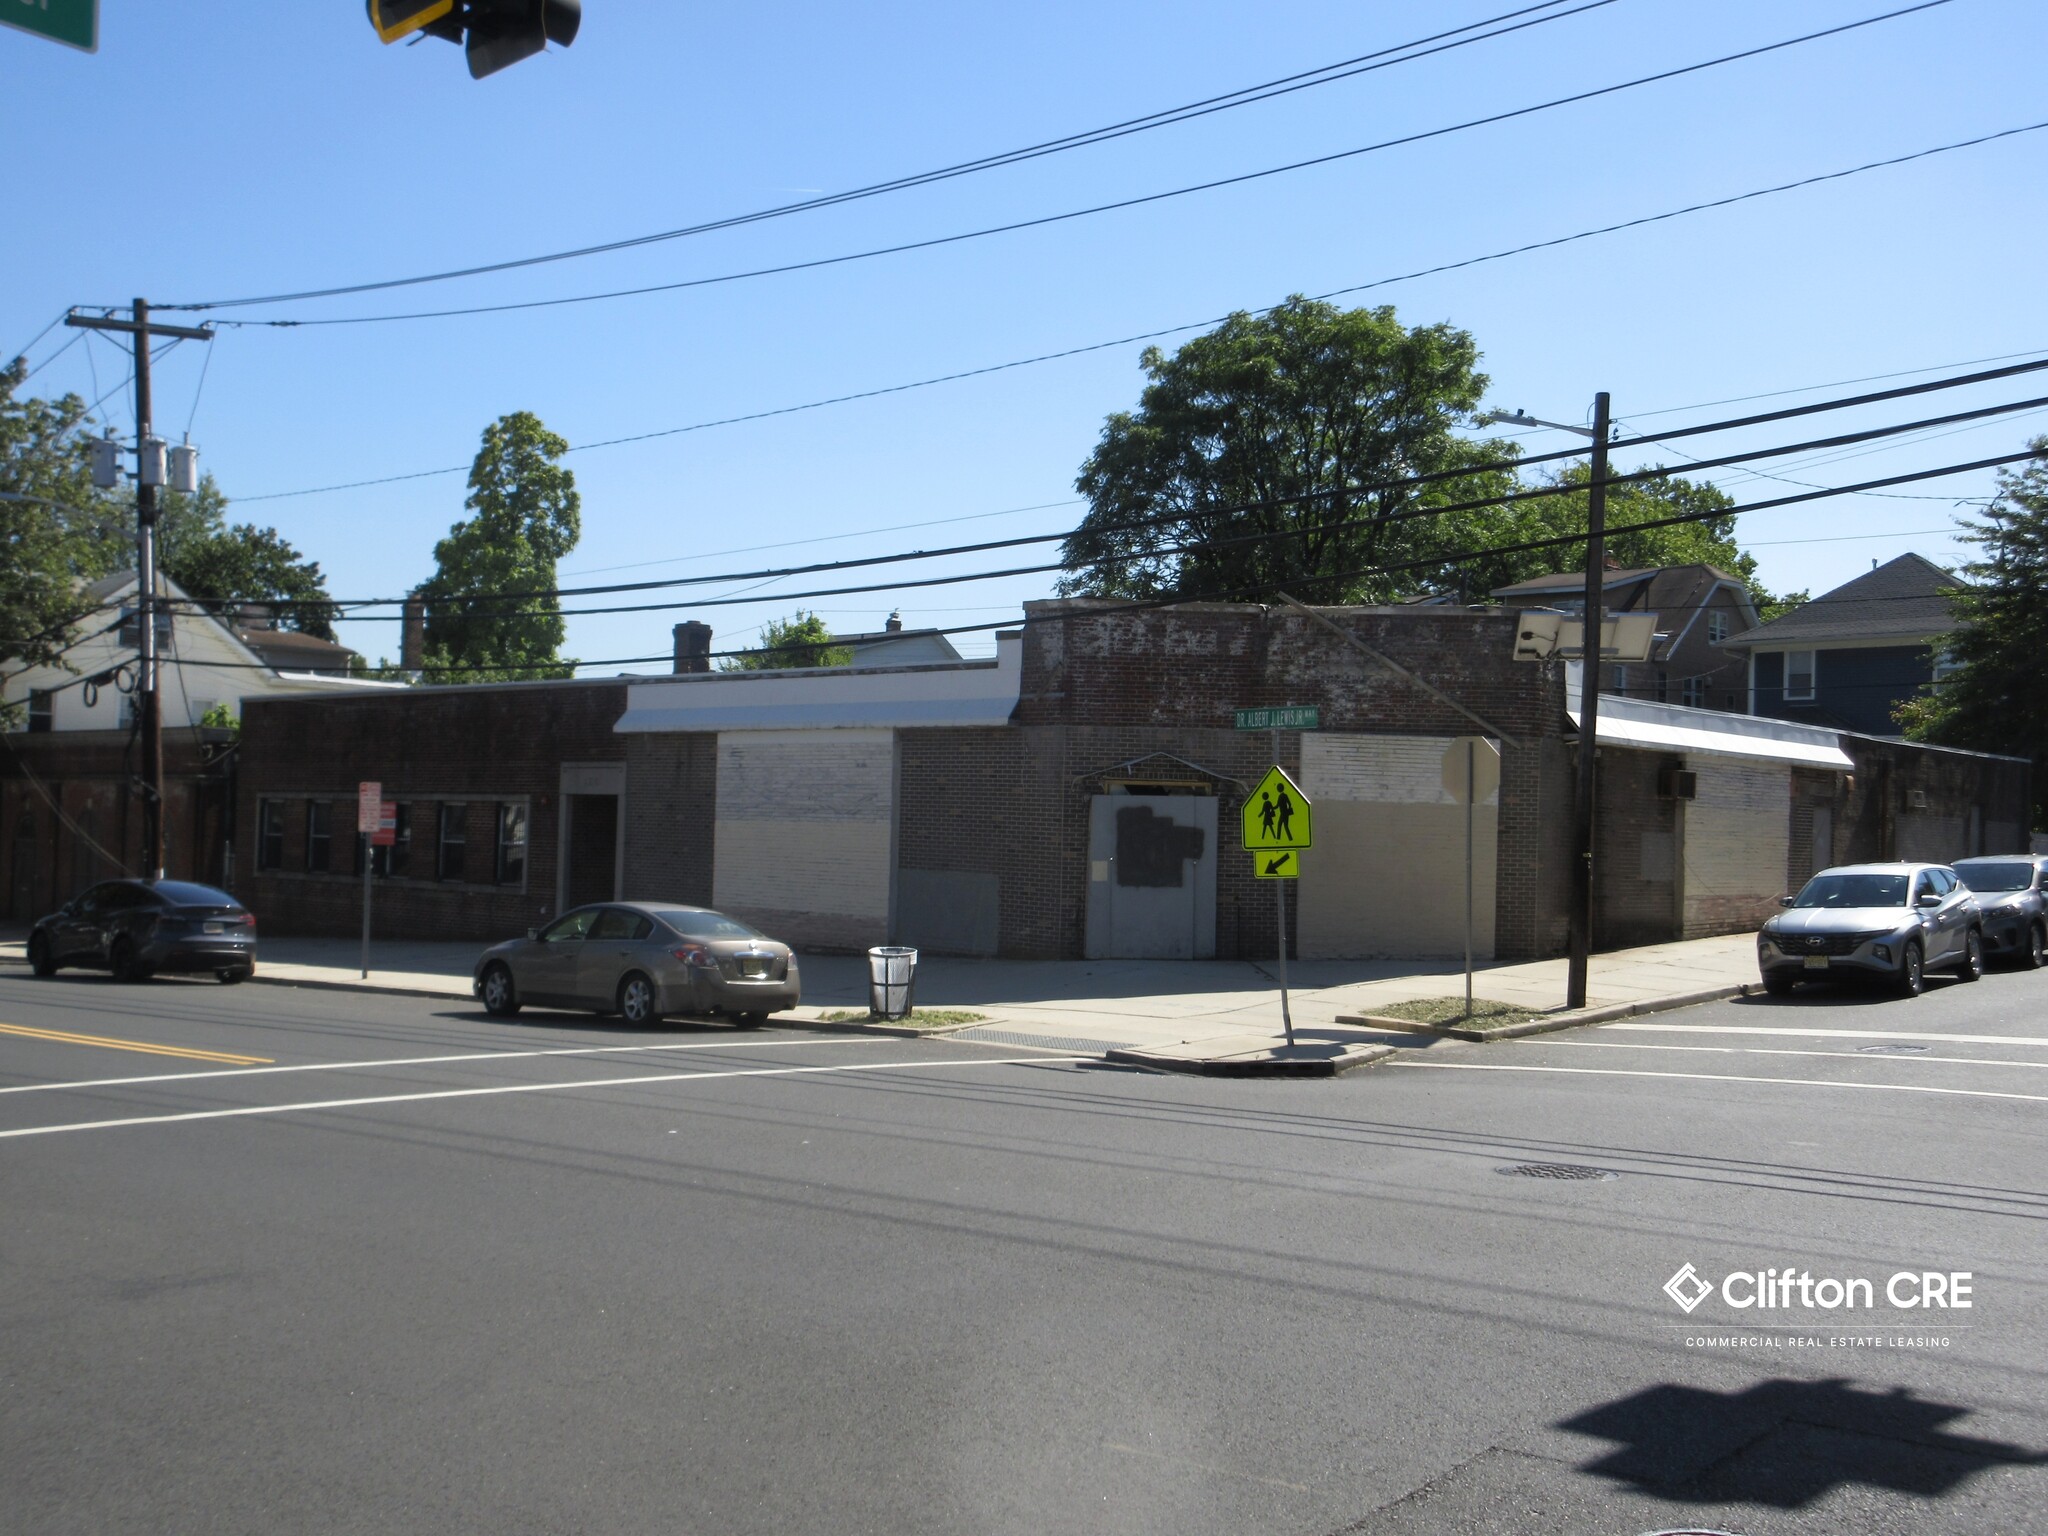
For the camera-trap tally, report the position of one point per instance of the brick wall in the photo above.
(1636, 852)
(470, 747)
(671, 808)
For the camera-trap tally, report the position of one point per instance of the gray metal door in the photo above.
(1152, 877)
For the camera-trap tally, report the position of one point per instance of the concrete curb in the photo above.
(1271, 1064)
(1551, 1023)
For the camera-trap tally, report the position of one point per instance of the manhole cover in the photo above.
(1557, 1171)
(1890, 1050)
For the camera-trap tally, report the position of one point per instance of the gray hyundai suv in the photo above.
(2012, 890)
(1886, 922)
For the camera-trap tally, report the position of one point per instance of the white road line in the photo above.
(1703, 1077)
(1765, 1050)
(473, 1093)
(427, 1061)
(1832, 1034)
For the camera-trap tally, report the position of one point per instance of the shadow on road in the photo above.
(1787, 1443)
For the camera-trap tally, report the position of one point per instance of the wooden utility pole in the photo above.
(149, 474)
(1589, 713)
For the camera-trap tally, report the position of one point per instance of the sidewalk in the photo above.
(1207, 1008)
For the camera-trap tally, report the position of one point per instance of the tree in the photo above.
(224, 567)
(1994, 701)
(525, 516)
(801, 640)
(56, 530)
(1269, 425)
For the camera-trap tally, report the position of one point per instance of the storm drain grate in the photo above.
(1889, 1050)
(1557, 1171)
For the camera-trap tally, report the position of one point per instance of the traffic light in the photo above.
(494, 33)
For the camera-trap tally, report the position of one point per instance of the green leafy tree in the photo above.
(225, 566)
(1268, 426)
(1994, 701)
(56, 530)
(524, 517)
(801, 640)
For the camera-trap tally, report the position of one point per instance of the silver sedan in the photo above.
(640, 960)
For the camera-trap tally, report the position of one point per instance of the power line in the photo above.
(23, 351)
(1089, 212)
(1343, 69)
(1175, 330)
(1249, 590)
(1406, 483)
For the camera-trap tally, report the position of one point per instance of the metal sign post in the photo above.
(369, 817)
(1471, 773)
(1276, 828)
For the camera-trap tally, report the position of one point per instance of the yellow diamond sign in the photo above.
(1276, 814)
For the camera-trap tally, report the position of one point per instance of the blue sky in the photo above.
(213, 152)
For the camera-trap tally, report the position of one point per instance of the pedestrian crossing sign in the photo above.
(1276, 814)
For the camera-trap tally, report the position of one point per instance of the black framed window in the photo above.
(451, 843)
(511, 861)
(42, 709)
(270, 834)
(319, 835)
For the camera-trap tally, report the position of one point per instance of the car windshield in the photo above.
(183, 893)
(1853, 891)
(1996, 877)
(710, 925)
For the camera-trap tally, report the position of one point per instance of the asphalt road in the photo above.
(370, 1264)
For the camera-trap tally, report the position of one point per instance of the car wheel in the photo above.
(1778, 984)
(500, 996)
(232, 975)
(40, 960)
(750, 1020)
(1912, 981)
(2034, 957)
(121, 960)
(1971, 966)
(636, 1000)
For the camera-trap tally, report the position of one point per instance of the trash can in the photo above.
(892, 972)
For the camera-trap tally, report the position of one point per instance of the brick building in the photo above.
(1078, 795)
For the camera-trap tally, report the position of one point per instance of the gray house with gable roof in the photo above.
(1849, 657)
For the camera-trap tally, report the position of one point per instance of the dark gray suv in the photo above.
(2012, 891)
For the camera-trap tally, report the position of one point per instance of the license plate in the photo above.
(211, 928)
(1816, 962)
(754, 968)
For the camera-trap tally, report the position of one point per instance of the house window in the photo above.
(1695, 693)
(511, 844)
(270, 834)
(1717, 627)
(451, 844)
(1799, 674)
(42, 708)
(319, 835)
(1945, 666)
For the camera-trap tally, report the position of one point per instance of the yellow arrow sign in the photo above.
(1276, 814)
(1284, 865)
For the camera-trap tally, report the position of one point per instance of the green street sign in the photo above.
(74, 23)
(1291, 717)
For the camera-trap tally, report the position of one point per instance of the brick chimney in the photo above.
(895, 623)
(412, 633)
(693, 646)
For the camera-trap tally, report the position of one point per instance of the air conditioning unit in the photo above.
(1678, 784)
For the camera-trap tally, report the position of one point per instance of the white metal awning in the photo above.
(1707, 732)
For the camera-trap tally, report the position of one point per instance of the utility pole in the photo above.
(1589, 713)
(1580, 912)
(149, 474)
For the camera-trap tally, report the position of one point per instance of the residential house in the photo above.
(1851, 656)
(1698, 608)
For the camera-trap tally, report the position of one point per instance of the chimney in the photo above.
(693, 647)
(1609, 561)
(412, 633)
(254, 616)
(895, 624)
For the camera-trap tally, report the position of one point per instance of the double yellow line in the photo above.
(65, 1037)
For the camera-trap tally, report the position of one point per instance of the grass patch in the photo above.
(1451, 1010)
(918, 1018)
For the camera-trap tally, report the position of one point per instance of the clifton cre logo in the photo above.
(1687, 1288)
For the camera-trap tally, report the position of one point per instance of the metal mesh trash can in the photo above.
(892, 977)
